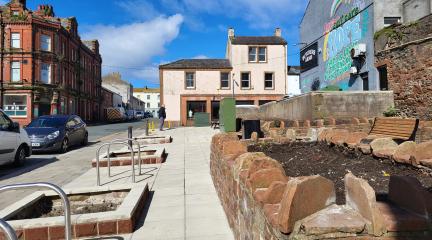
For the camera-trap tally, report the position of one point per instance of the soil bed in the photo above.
(52, 206)
(305, 159)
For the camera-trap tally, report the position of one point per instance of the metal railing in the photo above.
(8, 230)
(58, 190)
(118, 142)
(130, 141)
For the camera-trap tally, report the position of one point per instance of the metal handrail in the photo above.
(109, 144)
(124, 140)
(8, 230)
(58, 190)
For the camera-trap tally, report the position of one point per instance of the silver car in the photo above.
(15, 144)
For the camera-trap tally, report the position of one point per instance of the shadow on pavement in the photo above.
(9, 171)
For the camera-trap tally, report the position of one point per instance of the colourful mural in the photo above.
(338, 44)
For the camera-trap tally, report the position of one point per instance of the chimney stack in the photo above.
(278, 32)
(230, 32)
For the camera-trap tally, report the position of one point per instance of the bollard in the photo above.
(153, 125)
(130, 135)
(169, 125)
(147, 128)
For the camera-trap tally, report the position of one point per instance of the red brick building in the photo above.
(45, 67)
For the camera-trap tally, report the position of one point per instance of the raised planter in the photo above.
(261, 202)
(145, 140)
(96, 211)
(123, 157)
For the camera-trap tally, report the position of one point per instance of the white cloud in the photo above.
(263, 14)
(139, 9)
(131, 47)
(201, 57)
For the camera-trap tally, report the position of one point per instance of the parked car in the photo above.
(140, 114)
(57, 133)
(148, 115)
(15, 145)
(131, 115)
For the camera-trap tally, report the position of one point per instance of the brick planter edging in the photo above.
(261, 202)
(90, 226)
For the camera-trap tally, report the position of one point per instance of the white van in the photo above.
(15, 145)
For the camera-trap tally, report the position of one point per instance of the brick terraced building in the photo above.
(45, 66)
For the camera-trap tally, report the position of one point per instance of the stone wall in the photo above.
(261, 202)
(405, 50)
(338, 105)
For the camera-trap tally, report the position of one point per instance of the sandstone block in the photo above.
(323, 134)
(243, 161)
(272, 195)
(332, 220)
(361, 197)
(383, 147)
(330, 121)
(423, 152)
(306, 124)
(407, 193)
(319, 123)
(263, 163)
(265, 177)
(291, 134)
(312, 134)
(355, 121)
(233, 147)
(404, 152)
(271, 212)
(354, 139)
(339, 136)
(427, 163)
(295, 124)
(302, 197)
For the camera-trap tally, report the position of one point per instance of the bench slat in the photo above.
(394, 127)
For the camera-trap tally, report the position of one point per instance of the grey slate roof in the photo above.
(266, 40)
(198, 64)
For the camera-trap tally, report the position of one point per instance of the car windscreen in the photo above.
(48, 122)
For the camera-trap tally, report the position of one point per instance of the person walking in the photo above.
(162, 116)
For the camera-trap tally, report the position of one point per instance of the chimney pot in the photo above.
(230, 32)
(278, 32)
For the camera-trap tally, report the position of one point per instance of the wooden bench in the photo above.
(396, 128)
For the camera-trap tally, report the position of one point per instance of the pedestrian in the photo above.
(162, 116)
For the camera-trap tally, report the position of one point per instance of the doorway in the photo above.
(215, 106)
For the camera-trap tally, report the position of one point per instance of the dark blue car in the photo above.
(57, 133)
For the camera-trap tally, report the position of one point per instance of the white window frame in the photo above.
(15, 75)
(272, 81)
(45, 43)
(259, 54)
(193, 80)
(225, 80)
(15, 40)
(49, 76)
(8, 108)
(241, 80)
(255, 55)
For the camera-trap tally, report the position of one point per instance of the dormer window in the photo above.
(257, 54)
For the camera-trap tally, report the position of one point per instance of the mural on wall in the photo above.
(341, 35)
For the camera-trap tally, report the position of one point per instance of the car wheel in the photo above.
(20, 156)
(85, 140)
(64, 146)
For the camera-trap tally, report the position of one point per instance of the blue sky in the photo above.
(138, 35)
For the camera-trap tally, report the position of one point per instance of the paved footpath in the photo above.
(185, 204)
